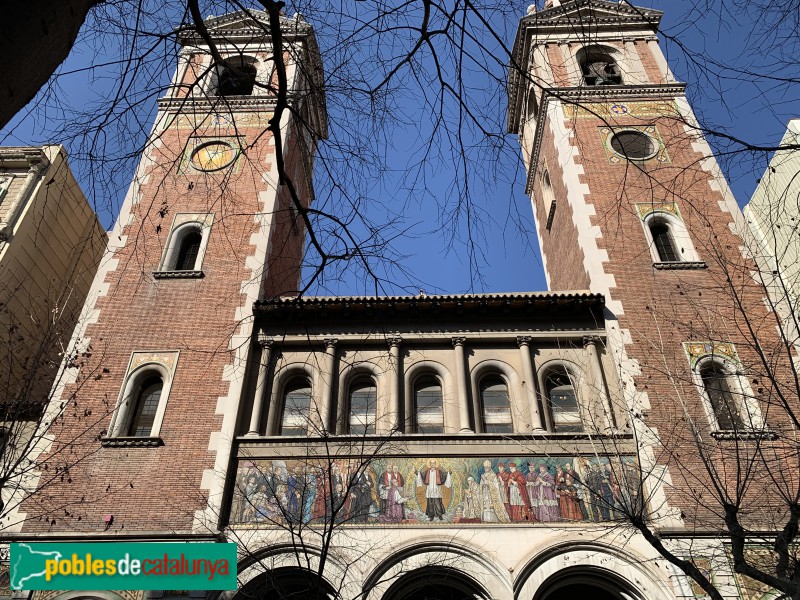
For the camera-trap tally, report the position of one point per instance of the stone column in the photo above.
(531, 386)
(328, 381)
(261, 385)
(462, 384)
(396, 408)
(591, 343)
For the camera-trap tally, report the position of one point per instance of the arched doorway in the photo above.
(435, 583)
(287, 583)
(589, 583)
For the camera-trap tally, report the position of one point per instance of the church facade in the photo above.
(496, 446)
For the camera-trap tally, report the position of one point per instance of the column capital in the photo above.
(264, 340)
(458, 341)
(330, 343)
(524, 340)
(591, 340)
(394, 342)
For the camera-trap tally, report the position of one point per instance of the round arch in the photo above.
(287, 583)
(605, 572)
(435, 583)
(602, 53)
(405, 566)
(279, 564)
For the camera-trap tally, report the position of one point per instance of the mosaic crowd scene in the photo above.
(441, 490)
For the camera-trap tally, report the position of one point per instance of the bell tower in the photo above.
(207, 228)
(630, 202)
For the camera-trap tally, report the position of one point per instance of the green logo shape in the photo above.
(123, 566)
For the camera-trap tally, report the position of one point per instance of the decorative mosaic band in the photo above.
(612, 110)
(647, 208)
(606, 133)
(168, 360)
(698, 350)
(204, 121)
(526, 489)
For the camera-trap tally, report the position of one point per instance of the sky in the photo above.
(419, 186)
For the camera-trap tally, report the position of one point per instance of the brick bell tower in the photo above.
(144, 424)
(630, 202)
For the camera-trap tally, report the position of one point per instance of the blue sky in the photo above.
(419, 185)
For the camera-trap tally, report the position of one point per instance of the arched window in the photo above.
(237, 77)
(598, 67)
(429, 405)
(296, 407)
(144, 410)
(669, 242)
(663, 241)
(563, 401)
(531, 109)
(495, 405)
(548, 197)
(188, 251)
(718, 388)
(362, 404)
(186, 246)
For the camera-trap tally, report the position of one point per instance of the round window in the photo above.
(634, 145)
(213, 156)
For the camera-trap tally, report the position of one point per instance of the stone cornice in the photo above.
(477, 336)
(569, 311)
(23, 157)
(217, 103)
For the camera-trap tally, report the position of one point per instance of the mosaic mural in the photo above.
(515, 490)
(611, 110)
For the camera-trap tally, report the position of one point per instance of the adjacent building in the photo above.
(773, 215)
(51, 244)
(467, 446)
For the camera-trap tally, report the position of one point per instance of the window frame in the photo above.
(575, 377)
(356, 380)
(681, 241)
(739, 388)
(481, 382)
(183, 226)
(427, 376)
(288, 387)
(148, 365)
